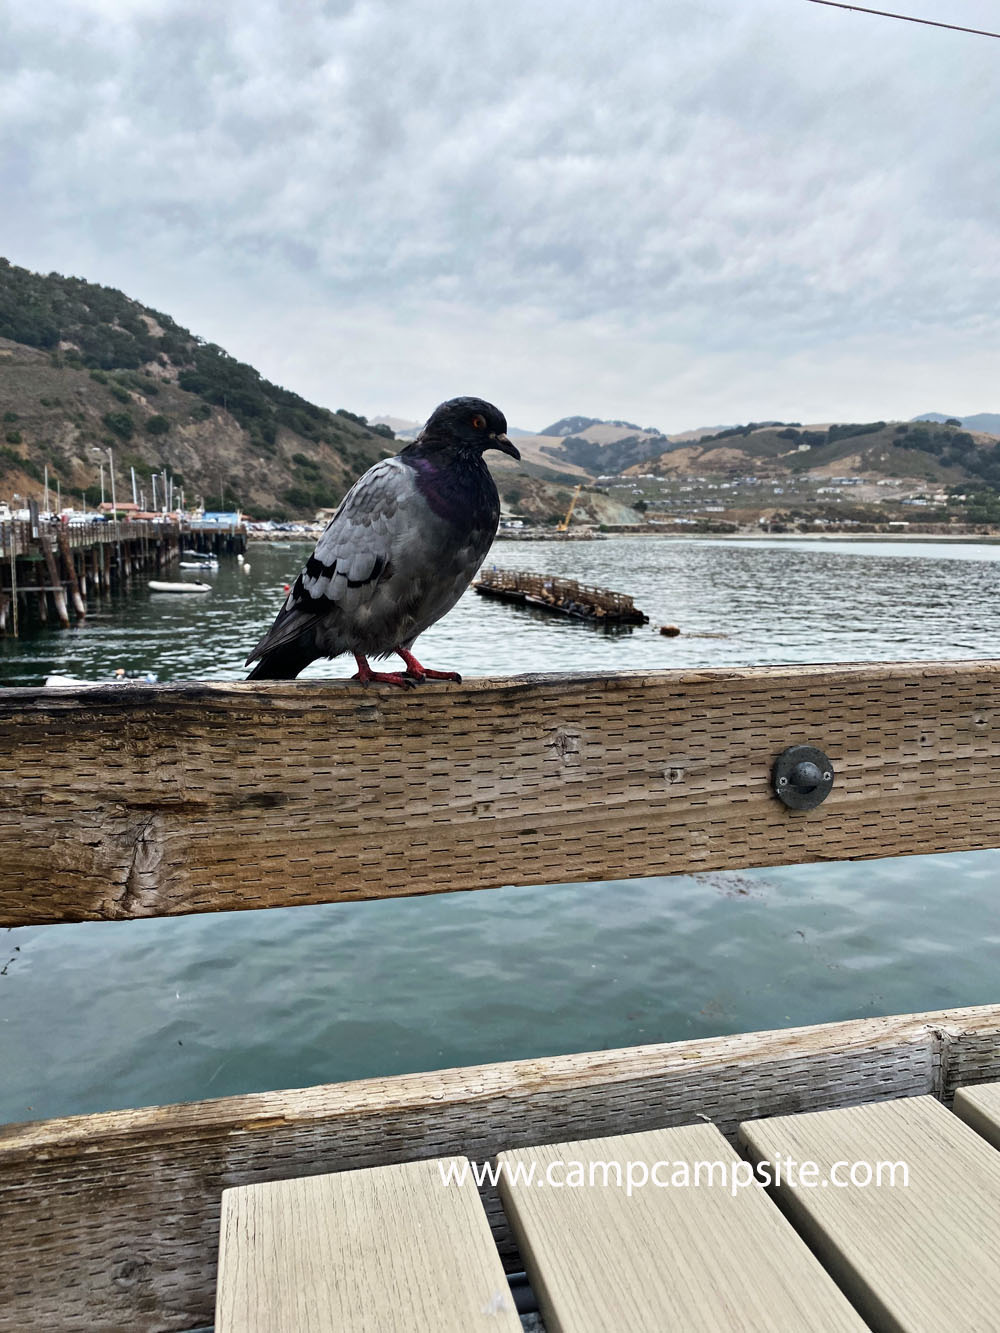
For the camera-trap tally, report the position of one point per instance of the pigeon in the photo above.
(398, 553)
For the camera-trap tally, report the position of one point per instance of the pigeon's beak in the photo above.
(504, 445)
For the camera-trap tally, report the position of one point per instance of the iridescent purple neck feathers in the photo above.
(456, 485)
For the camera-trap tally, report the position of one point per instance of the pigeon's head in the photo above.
(471, 423)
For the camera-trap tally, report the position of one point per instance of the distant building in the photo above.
(217, 520)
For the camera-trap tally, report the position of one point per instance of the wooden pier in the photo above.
(563, 597)
(49, 569)
(138, 801)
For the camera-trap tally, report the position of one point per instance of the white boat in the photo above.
(155, 585)
(200, 564)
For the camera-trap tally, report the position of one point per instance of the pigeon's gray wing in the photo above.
(351, 557)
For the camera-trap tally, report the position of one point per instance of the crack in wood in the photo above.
(140, 891)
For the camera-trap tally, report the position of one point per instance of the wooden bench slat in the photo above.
(141, 1216)
(376, 1251)
(697, 1258)
(914, 1259)
(980, 1107)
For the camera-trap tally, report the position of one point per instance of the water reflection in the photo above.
(102, 1015)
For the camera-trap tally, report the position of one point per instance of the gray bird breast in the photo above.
(395, 559)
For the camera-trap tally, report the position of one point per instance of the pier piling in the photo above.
(45, 560)
(79, 605)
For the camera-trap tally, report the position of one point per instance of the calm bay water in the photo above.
(97, 1016)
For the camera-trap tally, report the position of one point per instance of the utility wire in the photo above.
(907, 18)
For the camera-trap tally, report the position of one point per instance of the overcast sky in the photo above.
(680, 212)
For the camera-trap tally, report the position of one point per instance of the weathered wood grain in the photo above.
(914, 1259)
(140, 801)
(980, 1108)
(387, 1250)
(111, 1221)
(662, 1255)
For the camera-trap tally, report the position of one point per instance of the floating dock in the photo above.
(564, 597)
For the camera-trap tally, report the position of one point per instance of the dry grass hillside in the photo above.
(66, 417)
(83, 368)
(921, 451)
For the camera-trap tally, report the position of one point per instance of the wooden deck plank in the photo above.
(130, 1199)
(980, 1107)
(388, 1250)
(132, 801)
(915, 1259)
(699, 1258)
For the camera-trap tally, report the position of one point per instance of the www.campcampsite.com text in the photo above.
(733, 1175)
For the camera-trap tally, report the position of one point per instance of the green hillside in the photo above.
(83, 368)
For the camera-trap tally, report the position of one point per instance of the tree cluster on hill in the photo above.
(981, 501)
(952, 448)
(832, 434)
(607, 458)
(105, 372)
(791, 431)
(99, 328)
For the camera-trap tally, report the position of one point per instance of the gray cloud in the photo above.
(679, 212)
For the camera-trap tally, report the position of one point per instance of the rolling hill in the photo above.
(603, 448)
(933, 452)
(84, 368)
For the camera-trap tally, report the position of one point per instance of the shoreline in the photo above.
(941, 538)
(914, 538)
(534, 535)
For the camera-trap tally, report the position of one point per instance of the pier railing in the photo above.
(137, 801)
(16, 536)
(128, 801)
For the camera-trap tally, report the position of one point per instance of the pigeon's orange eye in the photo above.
(479, 423)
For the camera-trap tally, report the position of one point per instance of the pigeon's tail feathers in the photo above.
(286, 662)
(287, 648)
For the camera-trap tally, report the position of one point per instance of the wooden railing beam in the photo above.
(132, 801)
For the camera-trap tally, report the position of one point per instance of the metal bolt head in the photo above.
(806, 776)
(802, 777)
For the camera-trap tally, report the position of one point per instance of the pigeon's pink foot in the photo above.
(369, 677)
(416, 672)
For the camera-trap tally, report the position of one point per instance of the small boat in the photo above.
(199, 560)
(155, 585)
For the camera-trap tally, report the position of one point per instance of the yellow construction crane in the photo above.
(561, 527)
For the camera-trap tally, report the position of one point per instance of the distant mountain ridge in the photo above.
(988, 422)
(570, 425)
(566, 426)
(405, 429)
